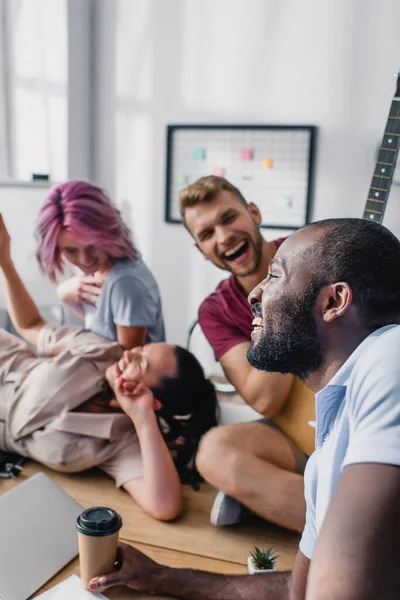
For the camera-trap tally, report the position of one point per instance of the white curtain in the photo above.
(6, 152)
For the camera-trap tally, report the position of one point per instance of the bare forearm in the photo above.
(264, 392)
(365, 509)
(160, 492)
(158, 465)
(198, 585)
(21, 308)
(267, 392)
(142, 574)
(130, 337)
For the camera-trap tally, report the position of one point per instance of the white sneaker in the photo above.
(225, 511)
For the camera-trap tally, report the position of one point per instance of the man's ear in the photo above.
(255, 212)
(335, 300)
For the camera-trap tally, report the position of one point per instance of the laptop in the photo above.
(37, 535)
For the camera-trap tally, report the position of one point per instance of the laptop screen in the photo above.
(37, 535)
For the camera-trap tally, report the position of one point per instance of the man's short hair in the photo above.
(365, 255)
(206, 189)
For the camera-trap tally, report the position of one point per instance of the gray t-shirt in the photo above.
(129, 297)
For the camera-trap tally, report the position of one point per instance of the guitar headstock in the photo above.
(397, 94)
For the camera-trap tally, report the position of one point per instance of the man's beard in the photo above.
(257, 245)
(290, 342)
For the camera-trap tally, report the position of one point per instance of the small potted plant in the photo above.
(261, 560)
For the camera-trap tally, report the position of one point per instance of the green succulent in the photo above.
(264, 558)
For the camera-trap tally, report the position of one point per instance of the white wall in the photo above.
(19, 206)
(329, 63)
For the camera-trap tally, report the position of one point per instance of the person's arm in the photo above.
(129, 337)
(159, 490)
(133, 310)
(23, 312)
(360, 535)
(265, 392)
(358, 550)
(143, 574)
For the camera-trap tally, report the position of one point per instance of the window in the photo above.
(35, 81)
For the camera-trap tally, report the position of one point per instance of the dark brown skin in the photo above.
(143, 574)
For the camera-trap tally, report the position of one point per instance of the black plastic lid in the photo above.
(98, 521)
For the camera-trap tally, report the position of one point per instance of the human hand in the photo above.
(137, 572)
(5, 243)
(81, 289)
(135, 399)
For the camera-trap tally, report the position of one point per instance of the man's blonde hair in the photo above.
(205, 189)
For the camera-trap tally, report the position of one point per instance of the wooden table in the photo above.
(190, 541)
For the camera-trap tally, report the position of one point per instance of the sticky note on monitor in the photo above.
(199, 153)
(181, 179)
(267, 163)
(218, 171)
(246, 154)
(285, 202)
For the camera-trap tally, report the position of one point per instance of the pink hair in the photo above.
(86, 212)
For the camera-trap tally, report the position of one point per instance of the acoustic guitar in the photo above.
(386, 163)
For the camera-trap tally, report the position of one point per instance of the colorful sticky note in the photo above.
(267, 163)
(218, 171)
(285, 202)
(181, 179)
(246, 154)
(199, 153)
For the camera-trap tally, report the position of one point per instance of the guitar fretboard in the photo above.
(385, 166)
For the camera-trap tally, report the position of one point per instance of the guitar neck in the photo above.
(382, 179)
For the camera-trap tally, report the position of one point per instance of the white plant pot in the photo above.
(252, 569)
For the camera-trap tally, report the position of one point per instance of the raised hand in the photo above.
(5, 243)
(135, 399)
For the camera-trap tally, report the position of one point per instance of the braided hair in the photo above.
(189, 410)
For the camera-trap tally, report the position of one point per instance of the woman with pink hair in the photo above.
(115, 293)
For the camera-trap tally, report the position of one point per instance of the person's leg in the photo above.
(260, 467)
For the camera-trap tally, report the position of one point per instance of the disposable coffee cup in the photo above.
(98, 529)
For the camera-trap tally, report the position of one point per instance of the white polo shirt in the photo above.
(357, 421)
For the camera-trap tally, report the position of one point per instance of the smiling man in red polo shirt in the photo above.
(260, 464)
